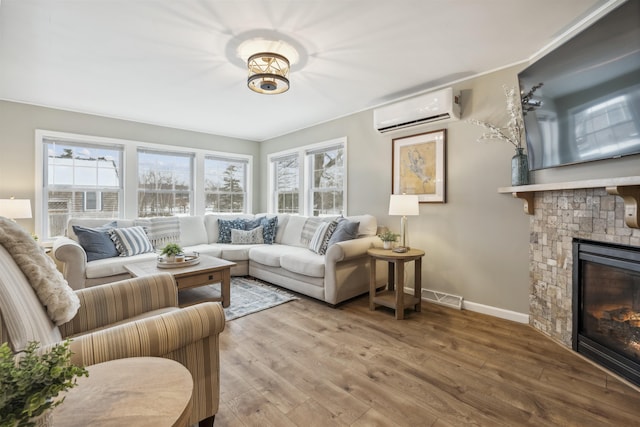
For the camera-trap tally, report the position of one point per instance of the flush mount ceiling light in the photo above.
(268, 73)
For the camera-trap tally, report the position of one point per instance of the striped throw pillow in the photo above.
(320, 240)
(130, 241)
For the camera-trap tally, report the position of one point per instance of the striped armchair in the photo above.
(130, 318)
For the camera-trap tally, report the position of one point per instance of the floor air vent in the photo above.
(442, 298)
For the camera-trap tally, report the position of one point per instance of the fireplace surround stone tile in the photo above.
(561, 215)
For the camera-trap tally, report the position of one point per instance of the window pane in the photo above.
(80, 180)
(225, 185)
(164, 183)
(327, 193)
(287, 183)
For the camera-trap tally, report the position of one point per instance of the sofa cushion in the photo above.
(192, 231)
(270, 255)
(130, 241)
(293, 231)
(346, 230)
(96, 242)
(303, 262)
(108, 267)
(368, 224)
(247, 237)
(232, 252)
(205, 249)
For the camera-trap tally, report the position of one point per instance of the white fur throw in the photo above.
(52, 289)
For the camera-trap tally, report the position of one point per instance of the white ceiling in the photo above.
(174, 63)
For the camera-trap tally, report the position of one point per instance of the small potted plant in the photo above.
(30, 381)
(388, 238)
(173, 252)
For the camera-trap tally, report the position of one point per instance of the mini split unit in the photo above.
(428, 108)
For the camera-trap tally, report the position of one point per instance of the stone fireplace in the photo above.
(559, 217)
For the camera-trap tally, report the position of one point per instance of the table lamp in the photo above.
(403, 204)
(15, 208)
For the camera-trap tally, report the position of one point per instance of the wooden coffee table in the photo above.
(138, 391)
(209, 270)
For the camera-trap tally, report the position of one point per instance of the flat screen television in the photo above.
(588, 107)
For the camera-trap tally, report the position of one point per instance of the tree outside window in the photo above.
(164, 183)
(225, 185)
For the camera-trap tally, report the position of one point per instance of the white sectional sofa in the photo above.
(341, 273)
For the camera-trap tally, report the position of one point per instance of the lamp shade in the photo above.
(404, 204)
(15, 208)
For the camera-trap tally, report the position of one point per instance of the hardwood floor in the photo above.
(306, 364)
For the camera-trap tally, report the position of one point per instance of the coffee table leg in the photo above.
(225, 287)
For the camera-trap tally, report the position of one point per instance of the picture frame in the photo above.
(418, 166)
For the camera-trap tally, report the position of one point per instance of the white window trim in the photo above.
(305, 174)
(130, 169)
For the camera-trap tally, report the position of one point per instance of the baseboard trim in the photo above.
(496, 312)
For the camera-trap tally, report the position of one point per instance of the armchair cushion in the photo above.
(104, 305)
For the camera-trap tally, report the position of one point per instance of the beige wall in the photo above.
(477, 243)
(18, 123)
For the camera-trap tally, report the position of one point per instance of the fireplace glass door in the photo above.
(607, 306)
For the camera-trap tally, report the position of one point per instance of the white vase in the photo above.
(387, 244)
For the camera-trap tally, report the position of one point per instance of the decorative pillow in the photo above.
(96, 241)
(130, 241)
(309, 229)
(247, 237)
(225, 226)
(270, 227)
(346, 230)
(320, 240)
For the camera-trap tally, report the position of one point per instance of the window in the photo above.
(225, 184)
(80, 180)
(165, 185)
(326, 167)
(322, 190)
(92, 200)
(88, 176)
(286, 178)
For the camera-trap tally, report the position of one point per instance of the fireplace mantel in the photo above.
(627, 187)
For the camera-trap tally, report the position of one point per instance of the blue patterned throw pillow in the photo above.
(225, 226)
(269, 227)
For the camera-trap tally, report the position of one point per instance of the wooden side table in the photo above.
(394, 296)
(137, 391)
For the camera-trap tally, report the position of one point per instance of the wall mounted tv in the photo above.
(588, 107)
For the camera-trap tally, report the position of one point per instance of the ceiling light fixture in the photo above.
(268, 73)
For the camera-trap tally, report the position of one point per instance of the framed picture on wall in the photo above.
(418, 166)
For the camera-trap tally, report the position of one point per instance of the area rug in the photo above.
(247, 296)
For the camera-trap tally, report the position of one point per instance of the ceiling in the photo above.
(176, 64)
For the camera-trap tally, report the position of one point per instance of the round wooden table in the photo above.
(137, 391)
(394, 296)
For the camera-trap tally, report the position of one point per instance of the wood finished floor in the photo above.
(306, 364)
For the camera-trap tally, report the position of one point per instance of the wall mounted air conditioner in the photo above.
(431, 107)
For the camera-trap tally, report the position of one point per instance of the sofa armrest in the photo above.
(154, 336)
(350, 249)
(106, 304)
(73, 259)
